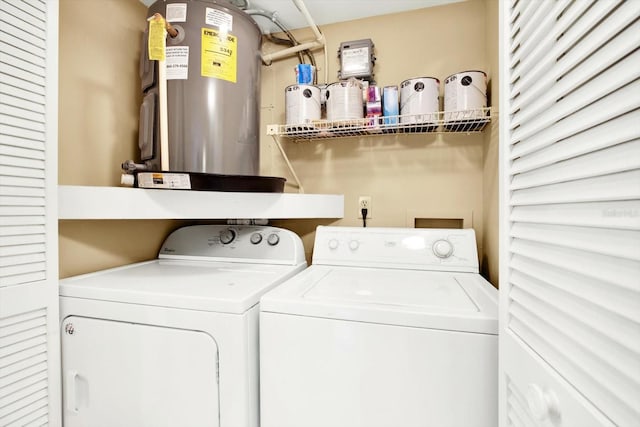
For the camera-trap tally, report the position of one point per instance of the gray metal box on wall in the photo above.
(356, 59)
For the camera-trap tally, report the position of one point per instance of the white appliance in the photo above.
(173, 341)
(388, 327)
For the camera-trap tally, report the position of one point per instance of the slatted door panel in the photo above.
(570, 204)
(24, 386)
(29, 342)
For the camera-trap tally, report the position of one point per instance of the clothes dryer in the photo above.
(387, 327)
(173, 341)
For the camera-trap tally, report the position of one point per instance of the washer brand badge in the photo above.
(219, 55)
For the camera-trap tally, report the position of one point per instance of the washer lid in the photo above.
(449, 301)
(195, 285)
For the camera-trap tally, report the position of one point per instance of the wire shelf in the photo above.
(468, 121)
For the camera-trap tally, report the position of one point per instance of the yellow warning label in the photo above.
(157, 40)
(219, 55)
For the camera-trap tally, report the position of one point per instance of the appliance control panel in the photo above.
(234, 243)
(435, 249)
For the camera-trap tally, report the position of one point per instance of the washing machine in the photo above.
(387, 327)
(173, 341)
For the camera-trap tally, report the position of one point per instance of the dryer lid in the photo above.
(449, 301)
(195, 285)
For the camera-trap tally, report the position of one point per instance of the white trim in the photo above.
(503, 197)
(51, 224)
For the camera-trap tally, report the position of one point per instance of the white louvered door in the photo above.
(29, 338)
(570, 213)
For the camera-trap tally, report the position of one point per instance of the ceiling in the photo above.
(331, 11)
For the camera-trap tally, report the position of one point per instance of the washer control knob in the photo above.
(333, 244)
(442, 248)
(354, 244)
(273, 239)
(227, 236)
(256, 238)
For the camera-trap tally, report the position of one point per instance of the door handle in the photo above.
(70, 395)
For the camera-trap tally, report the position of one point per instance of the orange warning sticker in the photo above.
(219, 55)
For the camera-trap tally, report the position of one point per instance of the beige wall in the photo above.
(490, 177)
(99, 88)
(407, 176)
(98, 125)
(428, 176)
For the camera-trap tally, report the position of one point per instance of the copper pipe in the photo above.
(173, 33)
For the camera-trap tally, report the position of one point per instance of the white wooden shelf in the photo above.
(85, 202)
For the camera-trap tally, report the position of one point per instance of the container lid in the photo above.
(418, 78)
(304, 85)
(346, 83)
(466, 71)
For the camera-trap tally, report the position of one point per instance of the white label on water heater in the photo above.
(220, 19)
(177, 12)
(173, 181)
(177, 60)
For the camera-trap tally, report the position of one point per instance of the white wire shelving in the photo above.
(441, 122)
(463, 122)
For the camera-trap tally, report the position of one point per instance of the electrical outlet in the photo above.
(364, 202)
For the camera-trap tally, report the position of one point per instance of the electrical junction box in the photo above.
(356, 59)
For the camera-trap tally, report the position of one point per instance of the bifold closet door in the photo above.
(29, 339)
(570, 213)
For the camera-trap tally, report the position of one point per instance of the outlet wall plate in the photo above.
(364, 202)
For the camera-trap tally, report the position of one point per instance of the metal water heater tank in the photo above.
(213, 90)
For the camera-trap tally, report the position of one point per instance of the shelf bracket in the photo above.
(286, 160)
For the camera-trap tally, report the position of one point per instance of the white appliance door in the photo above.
(127, 374)
(570, 209)
(318, 372)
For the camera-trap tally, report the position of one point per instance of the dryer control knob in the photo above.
(256, 238)
(227, 236)
(354, 244)
(333, 244)
(442, 248)
(273, 239)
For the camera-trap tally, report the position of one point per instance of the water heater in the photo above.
(213, 90)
